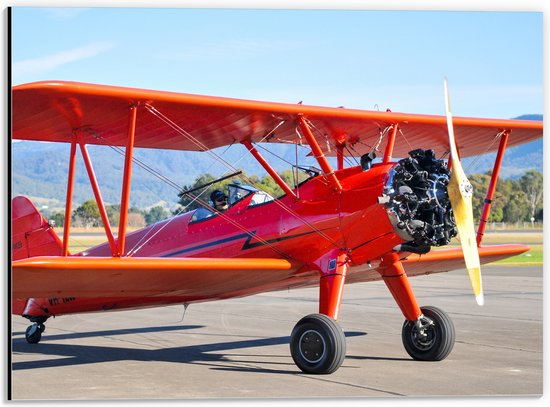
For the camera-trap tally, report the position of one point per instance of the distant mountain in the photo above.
(39, 170)
(517, 160)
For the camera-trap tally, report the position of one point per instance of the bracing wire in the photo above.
(203, 147)
(216, 157)
(194, 199)
(475, 161)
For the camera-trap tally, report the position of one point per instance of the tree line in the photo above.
(515, 200)
(87, 216)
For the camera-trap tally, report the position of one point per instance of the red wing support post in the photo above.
(269, 169)
(125, 196)
(69, 198)
(328, 172)
(389, 145)
(492, 187)
(98, 198)
(117, 248)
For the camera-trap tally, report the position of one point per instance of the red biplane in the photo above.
(375, 219)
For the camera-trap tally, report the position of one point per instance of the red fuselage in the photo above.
(322, 219)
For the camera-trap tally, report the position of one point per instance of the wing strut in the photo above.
(492, 186)
(388, 152)
(269, 169)
(125, 198)
(69, 198)
(98, 198)
(328, 172)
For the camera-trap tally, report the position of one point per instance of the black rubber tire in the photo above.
(318, 344)
(439, 341)
(33, 334)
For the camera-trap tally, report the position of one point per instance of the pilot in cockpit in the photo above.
(219, 200)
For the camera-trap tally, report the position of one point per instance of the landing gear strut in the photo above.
(428, 333)
(318, 344)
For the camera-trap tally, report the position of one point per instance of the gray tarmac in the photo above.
(239, 348)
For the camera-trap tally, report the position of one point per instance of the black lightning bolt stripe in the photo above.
(247, 245)
(214, 243)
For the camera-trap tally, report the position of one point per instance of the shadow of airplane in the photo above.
(129, 331)
(217, 355)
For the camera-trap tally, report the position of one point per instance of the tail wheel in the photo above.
(33, 334)
(431, 338)
(318, 344)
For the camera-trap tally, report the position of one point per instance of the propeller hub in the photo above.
(466, 189)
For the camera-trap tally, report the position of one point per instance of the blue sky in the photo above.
(359, 59)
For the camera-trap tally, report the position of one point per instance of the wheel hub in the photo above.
(312, 346)
(423, 333)
(32, 329)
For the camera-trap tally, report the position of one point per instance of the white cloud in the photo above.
(64, 14)
(49, 62)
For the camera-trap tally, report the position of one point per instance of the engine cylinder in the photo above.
(417, 203)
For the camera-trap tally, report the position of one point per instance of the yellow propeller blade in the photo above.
(460, 194)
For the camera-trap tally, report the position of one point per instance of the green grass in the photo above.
(532, 257)
(533, 239)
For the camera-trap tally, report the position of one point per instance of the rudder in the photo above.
(31, 233)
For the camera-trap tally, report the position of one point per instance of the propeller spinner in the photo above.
(460, 192)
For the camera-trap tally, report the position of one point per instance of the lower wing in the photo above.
(438, 261)
(451, 259)
(203, 279)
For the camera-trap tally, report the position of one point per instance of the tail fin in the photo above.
(31, 234)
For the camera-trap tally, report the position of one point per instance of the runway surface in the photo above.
(239, 348)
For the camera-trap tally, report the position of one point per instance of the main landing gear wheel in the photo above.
(318, 344)
(33, 334)
(431, 338)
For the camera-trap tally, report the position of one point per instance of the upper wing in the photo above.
(194, 278)
(54, 111)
